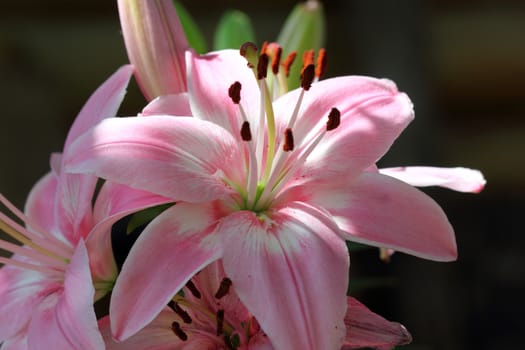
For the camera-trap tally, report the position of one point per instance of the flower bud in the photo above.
(234, 29)
(156, 45)
(304, 29)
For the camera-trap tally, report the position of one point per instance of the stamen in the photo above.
(308, 58)
(220, 321)
(191, 287)
(288, 61)
(186, 318)
(276, 60)
(262, 66)
(322, 62)
(246, 133)
(288, 140)
(175, 327)
(334, 119)
(264, 48)
(307, 76)
(235, 92)
(248, 50)
(224, 288)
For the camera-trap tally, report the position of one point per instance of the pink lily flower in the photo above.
(209, 315)
(273, 188)
(156, 44)
(48, 286)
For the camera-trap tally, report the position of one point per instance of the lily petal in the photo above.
(373, 114)
(211, 77)
(382, 211)
(365, 329)
(178, 105)
(291, 272)
(151, 153)
(103, 103)
(171, 249)
(459, 179)
(66, 320)
(40, 202)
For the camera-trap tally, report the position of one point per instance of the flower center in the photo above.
(271, 160)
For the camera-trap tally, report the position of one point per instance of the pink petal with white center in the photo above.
(373, 114)
(66, 319)
(365, 329)
(40, 202)
(382, 211)
(178, 105)
(180, 158)
(211, 77)
(458, 179)
(290, 269)
(21, 291)
(103, 103)
(171, 249)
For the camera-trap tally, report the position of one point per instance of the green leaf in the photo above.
(234, 29)
(192, 31)
(145, 216)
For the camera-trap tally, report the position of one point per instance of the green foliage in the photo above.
(192, 31)
(234, 29)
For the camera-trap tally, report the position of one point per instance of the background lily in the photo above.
(208, 314)
(50, 283)
(271, 187)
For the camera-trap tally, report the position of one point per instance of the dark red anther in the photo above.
(191, 287)
(246, 133)
(248, 50)
(288, 140)
(224, 288)
(235, 92)
(322, 62)
(220, 321)
(276, 60)
(186, 318)
(262, 66)
(334, 119)
(288, 61)
(175, 327)
(307, 76)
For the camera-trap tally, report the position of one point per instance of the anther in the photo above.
(322, 62)
(193, 289)
(264, 48)
(262, 66)
(307, 76)
(186, 318)
(246, 133)
(308, 57)
(334, 119)
(224, 288)
(175, 327)
(288, 61)
(276, 60)
(248, 50)
(220, 321)
(288, 140)
(235, 92)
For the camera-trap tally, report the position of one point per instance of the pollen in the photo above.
(246, 133)
(288, 140)
(334, 119)
(307, 76)
(224, 288)
(175, 327)
(262, 66)
(321, 63)
(235, 92)
(288, 61)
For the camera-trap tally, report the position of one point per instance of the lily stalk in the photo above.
(155, 42)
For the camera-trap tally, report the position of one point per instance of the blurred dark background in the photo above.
(462, 63)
